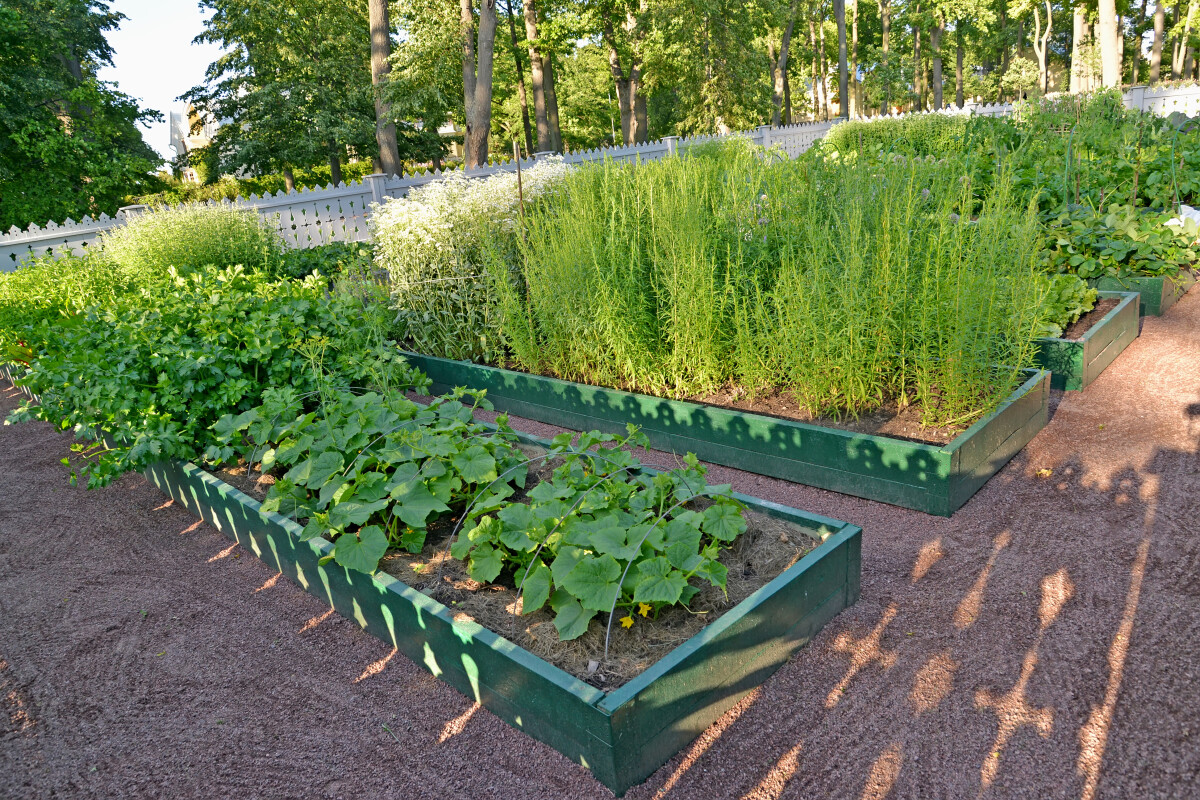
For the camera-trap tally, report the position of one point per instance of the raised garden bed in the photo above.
(937, 479)
(1075, 363)
(1158, 293)
(623, 735)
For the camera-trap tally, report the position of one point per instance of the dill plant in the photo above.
(195, 235)
(844, 283)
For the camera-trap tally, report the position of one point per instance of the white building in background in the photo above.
(190, 130)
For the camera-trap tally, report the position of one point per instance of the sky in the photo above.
(155, 60)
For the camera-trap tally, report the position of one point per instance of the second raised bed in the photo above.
(1158, 293)
(1075, 363)
(937, 479)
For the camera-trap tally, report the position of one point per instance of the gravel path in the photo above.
(1042, 643)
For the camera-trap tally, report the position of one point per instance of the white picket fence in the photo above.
(311, 217)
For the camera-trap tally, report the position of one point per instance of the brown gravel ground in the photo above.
(1042, 643)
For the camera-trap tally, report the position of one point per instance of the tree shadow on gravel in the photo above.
(1013, 650)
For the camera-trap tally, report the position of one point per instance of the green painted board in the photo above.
(931, 478)
(1075, 363)
(1158, 293)
(621, 736)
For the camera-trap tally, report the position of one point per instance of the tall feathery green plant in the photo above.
(846, 283)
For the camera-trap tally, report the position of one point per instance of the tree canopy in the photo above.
(69, 143)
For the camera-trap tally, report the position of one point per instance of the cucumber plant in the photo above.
(371, 471)
(601, 534)
(374, 471)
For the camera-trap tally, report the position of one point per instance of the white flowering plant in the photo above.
(435, 245)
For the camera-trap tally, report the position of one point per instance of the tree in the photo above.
(69, 143)
(625, 62)
(537, 71)
(1109, 34)
(381, 51)
(935, 44)
(1160, 20)
(1022, 77)
(1041, 37)
(478, 50)
(519, 68)
(293, 87)
(779, 62)
(425, 86)
(839, 13)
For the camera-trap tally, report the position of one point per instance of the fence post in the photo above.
(672, 143)
(1135, 98)
(378, 183)
(543, 154)
(765, 132)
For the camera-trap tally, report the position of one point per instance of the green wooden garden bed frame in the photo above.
(1075, 363)
(622, 736)
(1158, 293)
(937, 479)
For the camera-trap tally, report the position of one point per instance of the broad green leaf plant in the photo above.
(144, 376)
(373, 472)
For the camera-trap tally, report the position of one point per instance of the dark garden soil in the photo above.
(1044, 642)
(888, 420)
(1079, 327)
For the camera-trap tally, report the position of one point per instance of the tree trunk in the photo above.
(537, 78)
(1137, 45)
(289, 179)
(1182, 68)
(1004, 55)
(335, 165)
(521, 95)
(815, 71)
(826, 101)
(776, 83)
(1160, 21)
(1079, 31)
(885, 23)
(1108, 32)
(627, 85)
(935, 44)
(1041, 41)
(466, 22)
(780, 64)
(552, 104)
(621, 83)
(855, 100)
(787, 99)
(381, 49)
(839, 11)
(959, 47)
(478, 84)
(918, 105)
